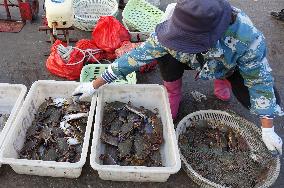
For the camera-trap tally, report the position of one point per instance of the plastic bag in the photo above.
(109, 34)
(56, 65)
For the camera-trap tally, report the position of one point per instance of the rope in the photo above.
(65, 52)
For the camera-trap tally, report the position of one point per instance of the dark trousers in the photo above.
(172, 70)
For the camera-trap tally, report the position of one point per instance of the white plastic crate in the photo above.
(11, 100)
(151, 97)
(39, 91)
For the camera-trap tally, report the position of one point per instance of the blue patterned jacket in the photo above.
(241, 47)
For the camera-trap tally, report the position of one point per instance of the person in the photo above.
(219, 42)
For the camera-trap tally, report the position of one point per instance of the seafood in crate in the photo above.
(57, 131)
(132, 136)
(221, 155)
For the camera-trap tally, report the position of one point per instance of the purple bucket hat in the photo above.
(195, 26)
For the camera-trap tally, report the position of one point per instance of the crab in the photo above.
(57, 132)
(125, 147)
(73, 108)
(112, 151)
(62, 145)
(156, 159)
(125, 130)
(115, 127)
(242, 144)
(232, 140)
(122, 115)
(50, 155)
(51, 115)
(29, 146)
(45, 135)
(69, 156)
(116, 105)
(32, 131)
(109, 116)
(142, 150)
(42, 108)
(82, 124)
(109, 139)
(85, 106)
(157, 123)
(133, 118)
(150, 113)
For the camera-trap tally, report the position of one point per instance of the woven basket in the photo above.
(88, 12)
(250, 132)
(139, 15)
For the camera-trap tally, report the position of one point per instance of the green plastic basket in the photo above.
(141, 15)
(92, 71)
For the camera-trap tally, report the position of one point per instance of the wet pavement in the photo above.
(22, 61)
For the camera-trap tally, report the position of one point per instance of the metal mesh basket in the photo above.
(141, 15)
(250, 132)
(88, 12)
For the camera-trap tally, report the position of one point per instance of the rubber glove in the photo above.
(84, 90)
(272, 141)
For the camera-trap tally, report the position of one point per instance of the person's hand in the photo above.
(84, 90)
(272, 141)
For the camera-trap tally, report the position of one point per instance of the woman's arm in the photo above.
(254, 67)
(132, 61)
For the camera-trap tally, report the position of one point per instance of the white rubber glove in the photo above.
(84, 90)
(272, 141)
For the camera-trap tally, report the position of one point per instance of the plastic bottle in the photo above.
(59, 13)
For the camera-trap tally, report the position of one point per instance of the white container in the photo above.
(59, 11)
(11, 100)
(151, 97)
(39, 91)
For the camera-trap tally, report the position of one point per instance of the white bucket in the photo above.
(151, 97)
(14, 141)
(11, 100)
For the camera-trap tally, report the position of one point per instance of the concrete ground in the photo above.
(22, 61)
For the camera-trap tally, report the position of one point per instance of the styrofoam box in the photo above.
(151, 97)
(11, 99)
(39, 91)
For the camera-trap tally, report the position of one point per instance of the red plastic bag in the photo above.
(56, 65)
(109, 34)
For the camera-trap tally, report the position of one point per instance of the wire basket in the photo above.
(139, 15)
(88, 12)
(250, 132)
(92, 71)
